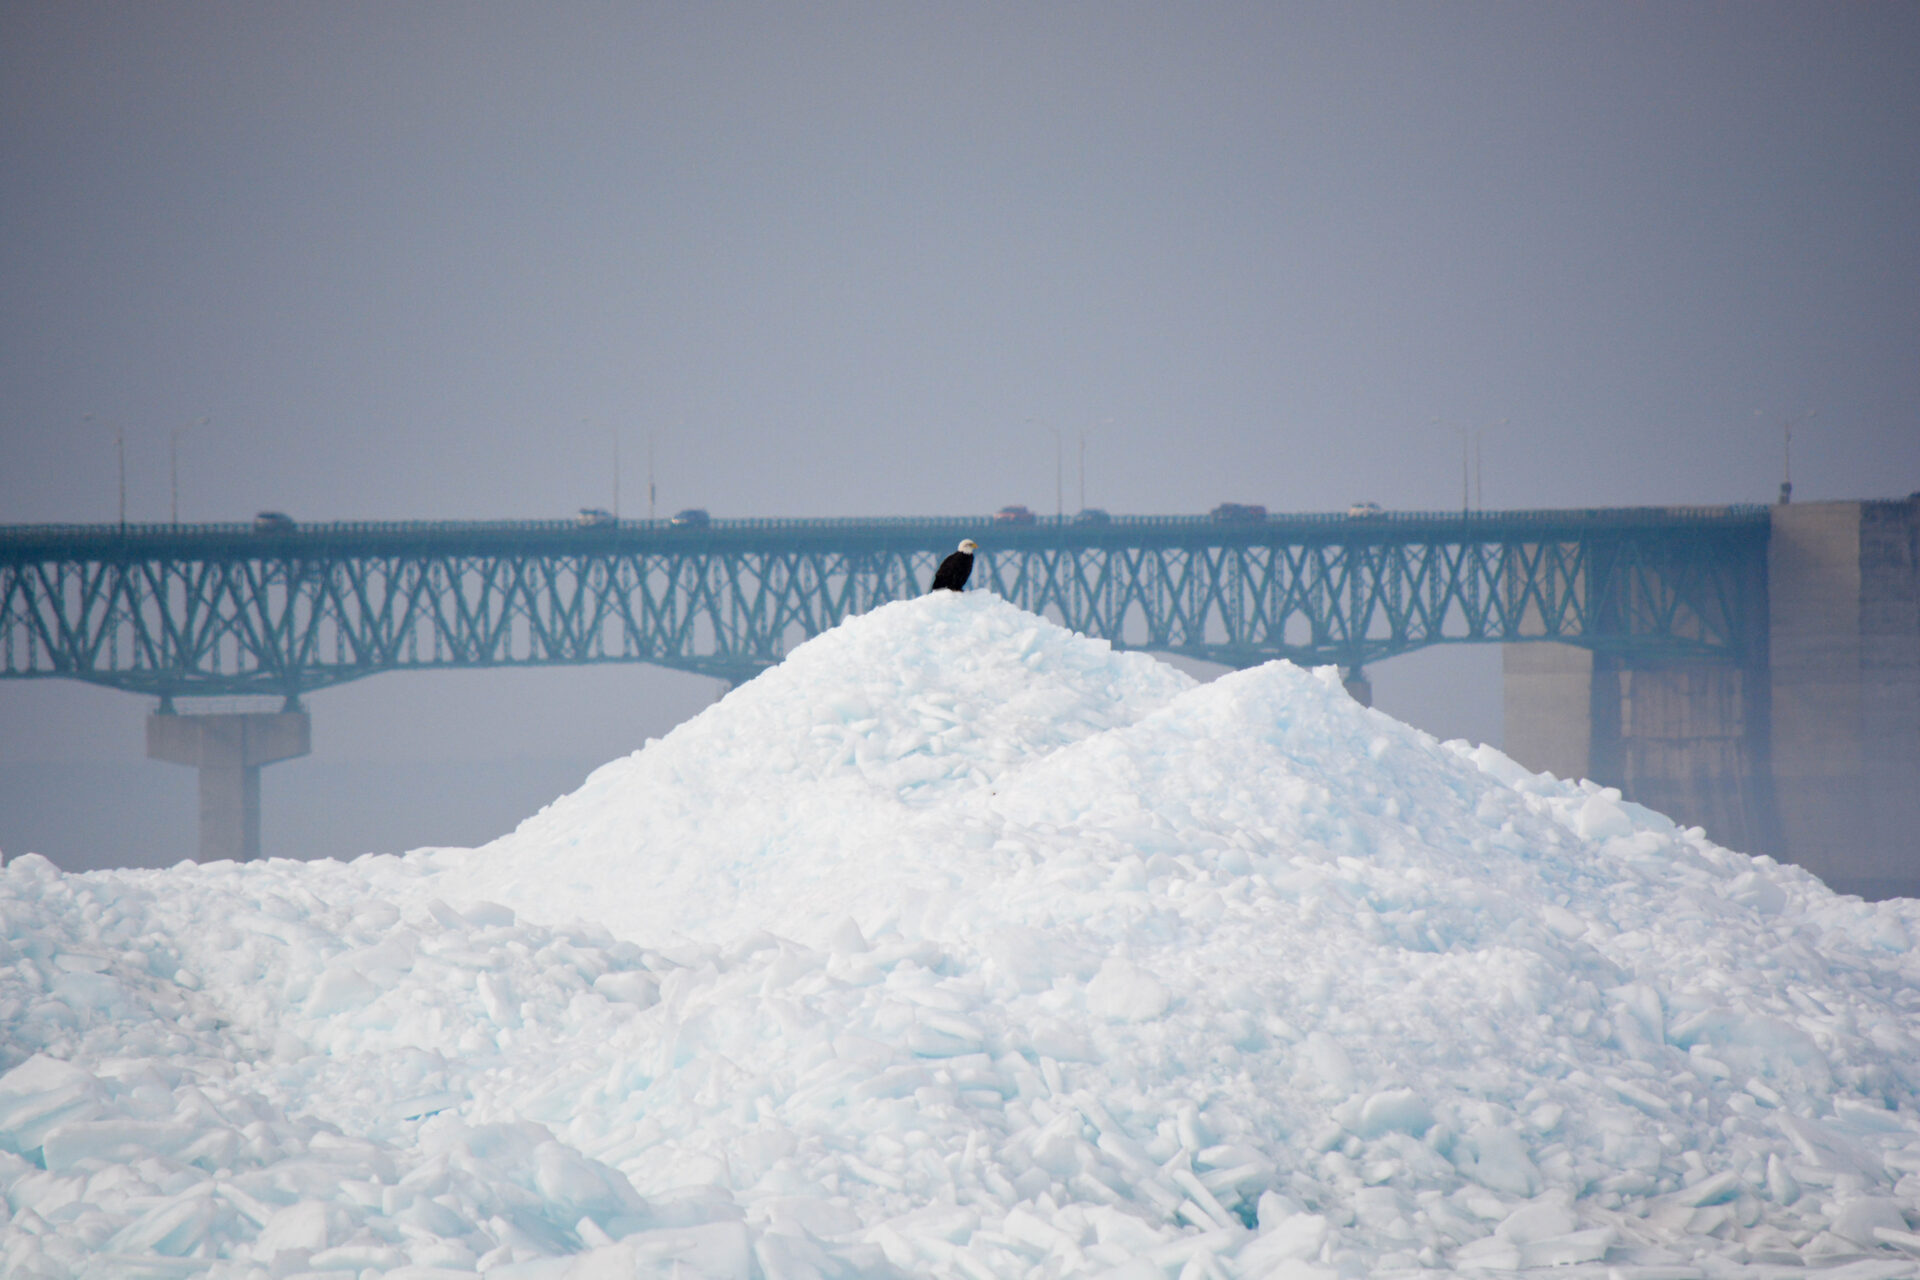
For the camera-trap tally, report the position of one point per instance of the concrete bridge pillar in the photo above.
(1685, 738)
(1844, 598)
(1811, 753)
(229, 750)
(1547, 700)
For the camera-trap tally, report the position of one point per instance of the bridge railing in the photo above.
(93, 533)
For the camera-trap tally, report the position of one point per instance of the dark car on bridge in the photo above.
(1092, 515)
(273, 522)
(1238, 513)
(692, 518)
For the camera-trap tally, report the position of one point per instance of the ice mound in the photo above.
(755, 812)
(960, 945)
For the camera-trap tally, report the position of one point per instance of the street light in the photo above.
(1059, 479)
(1466, 489)
(1479, 490)
(1786, 451)
(120, 449)
(1472, 490)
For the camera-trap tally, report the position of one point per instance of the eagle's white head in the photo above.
(969, 546)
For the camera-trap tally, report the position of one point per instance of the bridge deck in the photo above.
(222, 609)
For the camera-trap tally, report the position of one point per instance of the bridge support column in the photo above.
(1812, 753)
(1685, 738)
(1547, 703)
(1358, 687)
(1844, 597)
(228, 750)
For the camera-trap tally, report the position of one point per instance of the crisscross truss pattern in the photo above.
(181, 611)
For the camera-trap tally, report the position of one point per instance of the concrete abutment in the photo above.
(1810, 752)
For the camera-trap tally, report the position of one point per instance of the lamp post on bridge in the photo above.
(120, 451)
(1786, 451)
(1473, 494)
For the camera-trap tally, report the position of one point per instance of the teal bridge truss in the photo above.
(218, 610)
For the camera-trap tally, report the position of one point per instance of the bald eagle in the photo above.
(953, 571)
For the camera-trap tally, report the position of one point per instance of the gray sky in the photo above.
(428, 260)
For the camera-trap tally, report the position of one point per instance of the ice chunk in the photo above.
(1395, 1109)
(1602, 818)
(847, 940)
(579, 1187)
(629, 986)
(40, 1094)
(1590, 1245)
(1781, 1184)
(173, 1228)
(1496, 763)
(1123, 992)
(119, 1141)
(1751, 889)
(1551, 1215)
(1296, 1236)
(1858, 1219)
(1329, 1062)
(498, 1000)
(307, 1226)
(340, 988)
(1025, 955)
(488, 915)
(1496, 1157)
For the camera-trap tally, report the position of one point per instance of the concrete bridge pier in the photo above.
(1809, 752)
(229, 750)
(1686, 738)
(1843, 584)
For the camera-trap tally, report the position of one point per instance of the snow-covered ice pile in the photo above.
(961, 945)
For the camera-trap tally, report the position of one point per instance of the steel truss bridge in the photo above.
(203, 610)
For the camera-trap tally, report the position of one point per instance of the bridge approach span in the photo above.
(204, 610)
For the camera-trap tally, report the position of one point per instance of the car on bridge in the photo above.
(1092, 515)
(1013, 515)
(1364, 510)
(1238, 513)
(273, 522)
(691, 518)
(594, 518)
